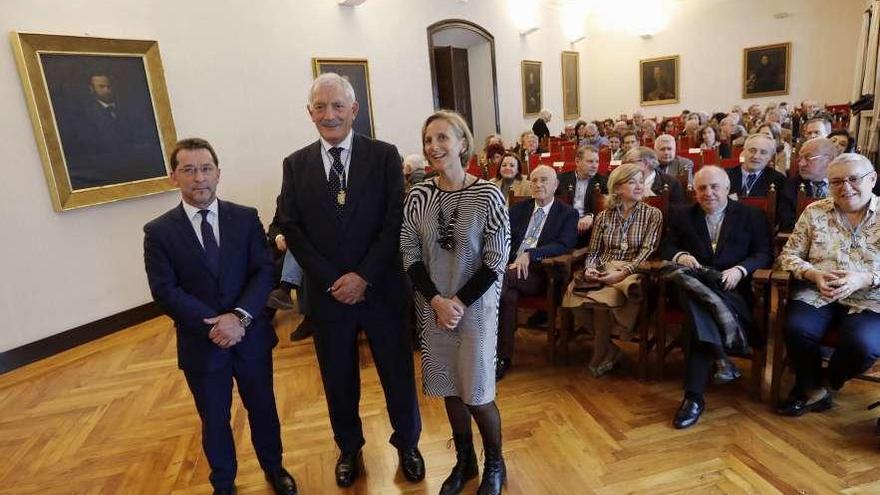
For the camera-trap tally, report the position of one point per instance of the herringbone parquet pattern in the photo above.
(115, 417)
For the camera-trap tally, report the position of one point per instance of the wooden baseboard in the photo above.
(28, 353)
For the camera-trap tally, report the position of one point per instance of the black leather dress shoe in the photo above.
(726, 373)
(412, 464)
(348, 468)
(688, 414)
(501, 368)
(282, 482)
(797, 406)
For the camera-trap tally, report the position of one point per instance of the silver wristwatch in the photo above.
(243, 318)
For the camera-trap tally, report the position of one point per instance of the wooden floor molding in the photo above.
(115, 416)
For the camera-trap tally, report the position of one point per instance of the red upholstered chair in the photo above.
(709, 157)
(729, 162)
(735, 152)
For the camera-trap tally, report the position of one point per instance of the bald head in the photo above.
(711, 187)
(543, 183)
(814, 157)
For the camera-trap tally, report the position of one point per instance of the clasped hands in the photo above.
(449, 311)
(349, 288)
(730, 278)
(611, 277)
(227, 330)
(838, 284)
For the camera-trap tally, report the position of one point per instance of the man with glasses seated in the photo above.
(813, 159)
(833, 255)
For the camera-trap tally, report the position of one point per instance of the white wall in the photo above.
(238, 74)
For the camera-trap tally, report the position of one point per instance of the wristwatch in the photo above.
(243, 317)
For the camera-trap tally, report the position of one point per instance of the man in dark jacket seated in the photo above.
(539, 228)
(716, 245)
(813, 159)
(580, 185)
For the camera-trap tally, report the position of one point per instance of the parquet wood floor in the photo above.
(115, 417)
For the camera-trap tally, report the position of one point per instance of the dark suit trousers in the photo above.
(700, 352)
(337, 349)
(857, 348)
(212, 392)
(511, 289)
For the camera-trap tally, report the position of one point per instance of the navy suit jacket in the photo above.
(744, 238)
(188, 291)
(558, 236)
(568, 183)
(762, 185)
(365, 240)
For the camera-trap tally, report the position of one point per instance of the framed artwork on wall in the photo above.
(101, 116)
(658, 81)
(531, 87)
(357, 72)
(766, 70)
(571, 101)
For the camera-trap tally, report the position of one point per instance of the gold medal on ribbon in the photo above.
(340, 197)
(624, 246)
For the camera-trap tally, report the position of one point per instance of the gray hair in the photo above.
(847, 158)
(545, 114)
(416, 161)
(331, 79)
(663, 137)
(759, 135)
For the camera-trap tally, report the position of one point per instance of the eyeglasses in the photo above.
(190, 170)
(810, 158)
(853, 181)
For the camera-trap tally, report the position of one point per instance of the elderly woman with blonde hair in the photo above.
(608, 292)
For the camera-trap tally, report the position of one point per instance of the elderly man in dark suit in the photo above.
(753, 177)
(655, 180)
(209, 269)
(341, 209)
(721, 243)
(671, 164)
(539, 228)
(813, 159)
(580, 185)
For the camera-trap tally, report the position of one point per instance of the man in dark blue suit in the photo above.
(341, 208)
(210, 271)
(539, 228)
(755, 175)
(732, 240)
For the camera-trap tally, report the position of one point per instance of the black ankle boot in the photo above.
(465, 466)
(494, 473)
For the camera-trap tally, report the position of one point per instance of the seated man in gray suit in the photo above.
(671, 164)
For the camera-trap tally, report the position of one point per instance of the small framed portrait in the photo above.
(571, 102)
(357, 72)
(765, 70)
(531, 87)
(658, 80)
(101, 116)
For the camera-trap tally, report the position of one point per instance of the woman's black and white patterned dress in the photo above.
(460, 362)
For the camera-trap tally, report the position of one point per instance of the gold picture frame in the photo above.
(101, 116)
(357, 72)
(658, 80)
(766, 70)
(571, 100)
(531, 87)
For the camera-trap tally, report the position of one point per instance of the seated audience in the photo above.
(732, 134)
(753, 177)
(832, 255)
(592, 137)
(629, 140)
(668, 127)
(813, 159)
(654, 180)
(491, 139)
(782, 160)
(540, 126)
(816, 127)
(539, 228)
(581, 183)
(509, 176)
(413, 169)
(580, 131)
(671, 164)
(844, 142)
(494, 154)
(709, 137)
(716, 245)
(528, 145)
(608, 294)
(568, 133)
(614, 147)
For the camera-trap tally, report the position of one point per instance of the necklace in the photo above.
(446, 228)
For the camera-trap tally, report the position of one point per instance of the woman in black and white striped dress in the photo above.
(454, 243)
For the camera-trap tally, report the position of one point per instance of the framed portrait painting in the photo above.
(357, 72)
(531, 87)
(766, 70)
(571, 105)
(101, 116)
(658, 81)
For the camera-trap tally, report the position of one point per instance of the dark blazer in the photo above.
(568, 182)
(761, 187)
(188, 291)
(366, 238)
(540, 128)
(558, 236)
(676, 193)
(786, 213)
